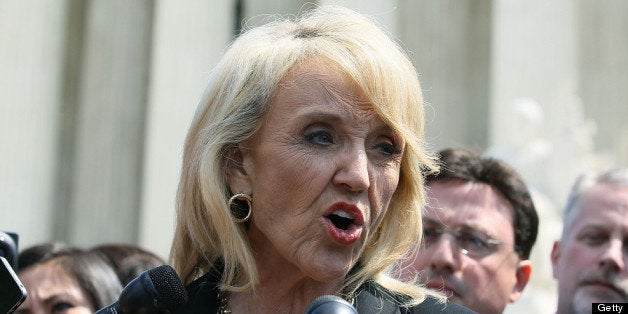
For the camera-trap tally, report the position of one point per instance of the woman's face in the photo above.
(321, 171)
(51, 289)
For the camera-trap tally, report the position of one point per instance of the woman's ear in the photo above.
(238, 178)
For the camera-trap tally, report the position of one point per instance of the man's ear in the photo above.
(554, 257)
(524, 270)
(238, 178)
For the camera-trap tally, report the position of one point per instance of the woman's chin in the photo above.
(327, 272)
(329, 276)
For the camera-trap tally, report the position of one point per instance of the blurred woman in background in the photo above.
(64, 279)
(129, 261)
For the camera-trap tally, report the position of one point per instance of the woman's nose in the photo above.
(353, 170)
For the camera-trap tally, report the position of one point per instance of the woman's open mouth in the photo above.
(344, 222)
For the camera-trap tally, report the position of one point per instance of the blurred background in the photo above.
(96, 98)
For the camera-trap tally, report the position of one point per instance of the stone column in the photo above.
(450, 44)
(533, 107)
(189, 38)
(109, 127)
(387, 13)
(603, 62)
(534, 57)
(31, 62)
(255, 12)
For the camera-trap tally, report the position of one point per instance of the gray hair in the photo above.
(616, 177)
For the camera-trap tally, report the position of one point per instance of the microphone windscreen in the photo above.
(170, 290)
(330, 304)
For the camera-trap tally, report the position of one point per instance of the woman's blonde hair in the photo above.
(231, 110)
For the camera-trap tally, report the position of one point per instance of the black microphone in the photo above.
(157, 290)
(12, 291)
(330, 304)
(8, 247)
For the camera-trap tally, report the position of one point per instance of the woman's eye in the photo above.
(388, 149)
(61, 307)
(323, 138)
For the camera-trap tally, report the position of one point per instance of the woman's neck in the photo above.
(283, 287)
(280, 298)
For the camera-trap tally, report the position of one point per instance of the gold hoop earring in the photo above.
(239, 204)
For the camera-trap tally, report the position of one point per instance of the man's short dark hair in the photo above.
(467, 166)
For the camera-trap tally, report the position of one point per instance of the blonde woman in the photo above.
(302, 172)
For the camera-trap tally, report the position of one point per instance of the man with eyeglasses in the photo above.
(479, 227)
(590, 259)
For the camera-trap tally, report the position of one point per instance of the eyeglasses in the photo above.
(470, 242)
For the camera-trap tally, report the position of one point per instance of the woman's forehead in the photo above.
(319, 82)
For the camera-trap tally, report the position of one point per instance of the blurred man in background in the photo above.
(589, 261)
(478, 230)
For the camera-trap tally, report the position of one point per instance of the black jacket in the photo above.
(370, 298)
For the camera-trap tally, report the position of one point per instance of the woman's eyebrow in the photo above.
(323, 115)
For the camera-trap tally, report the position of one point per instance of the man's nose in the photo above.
(445, 254)
(613, 257)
